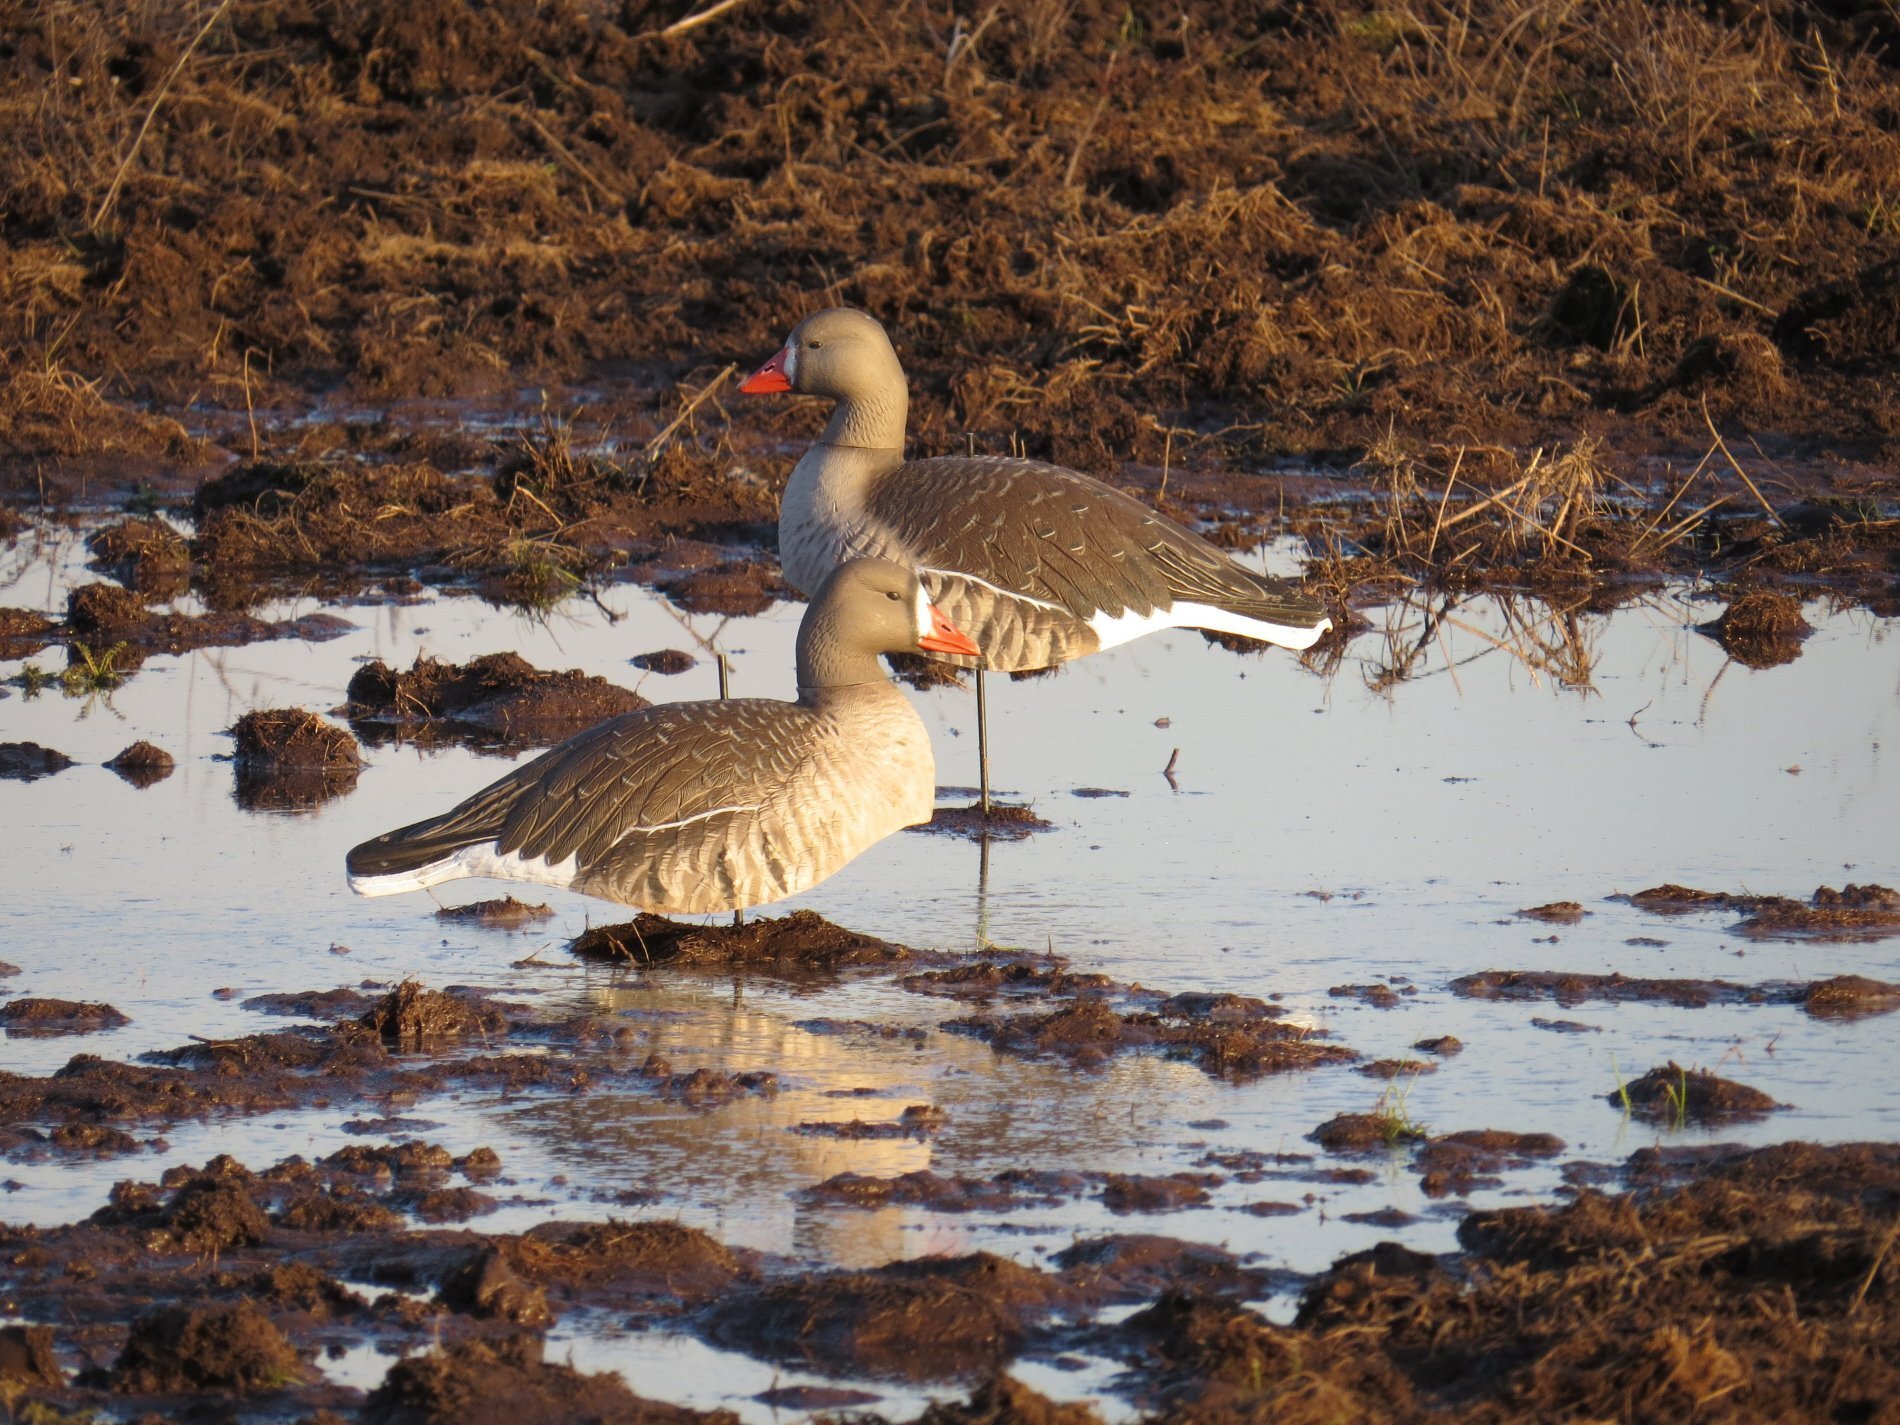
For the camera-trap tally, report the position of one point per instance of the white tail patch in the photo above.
(483, 860)
(1112, 629)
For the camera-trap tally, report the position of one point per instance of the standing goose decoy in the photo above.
(707, 806)
(1037, 563)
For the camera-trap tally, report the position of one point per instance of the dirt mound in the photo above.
(1089, 1032)
(661, 1261)
(800, 942)
(500, 693)
(666, 661)
(1673, 1094)
(1003, 1401)
(1002, 822)
(25, 761)
(505, 1382)
(1762, 628)
(143, 765)
(504, 914)
(976, 1307)
(1005, 1192)
(22, 632)
(30, 1018)
(1852, 913)
(413, 1017)
(232, 1347)
(289, 759)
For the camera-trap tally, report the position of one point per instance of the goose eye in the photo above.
(811, 345)
(894, 598)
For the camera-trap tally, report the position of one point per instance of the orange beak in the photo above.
(946, 637)
(768, 379)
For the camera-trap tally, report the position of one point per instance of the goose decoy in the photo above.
(708, 806)
(1037, 563)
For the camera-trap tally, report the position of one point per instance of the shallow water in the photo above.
(1320, 831)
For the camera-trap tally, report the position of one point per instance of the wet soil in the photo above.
(39, 1017)
(1673, 1094)
(802, 942)
(1002, 822)
(27, 761)
(1642, 1297)
(289, 759)
(499, 700)
(143, 764)
(1843, 996)
(1854, 912)
(507, 913)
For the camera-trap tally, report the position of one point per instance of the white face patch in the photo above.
(924, 622)
(791, 363)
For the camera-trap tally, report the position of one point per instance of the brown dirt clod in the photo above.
(26, 1018)
(1673, 1094)
(178, 1348)
(803, 941)
(414, 1017)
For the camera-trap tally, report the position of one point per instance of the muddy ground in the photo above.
(1569, 317)
(1722, 1283)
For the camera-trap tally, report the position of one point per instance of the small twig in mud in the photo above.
(658, 443)
(1438, 523)
(1736, 466)
(1681, 526)
(138, 139)
(1168, 771)
(691, 22)
(1088, 129)
(1880, 1258)
(566, 155)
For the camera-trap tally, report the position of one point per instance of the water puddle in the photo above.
(1378, 825)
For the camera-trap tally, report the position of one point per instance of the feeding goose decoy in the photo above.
(1037, 563)
(706, 806)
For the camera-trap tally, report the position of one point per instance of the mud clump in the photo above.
(500, 694)
(506, 1382)
(228, 1347)
(1463, 1162)
(143, 764)
(1001, 823)
(1365, 1132)
(738, 589)
(23, 632)
(919, 1120)
(210, 1214)
(1131, 1193)
(106, 609)
(1005, 1401)
(1850, 997)
(1090, 1031)
(1854, 912)
(506, 913)
(665, 661)
(1556, 913)
(412, 1017)
(1675, 1095)
(975, 1308)
(1762, 628)
(658, 1261)
(28, 761)
(27, 1360)
(289, 759)
(147, 553)
(801, 942)
(1008, 1190)
(43, 1018)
